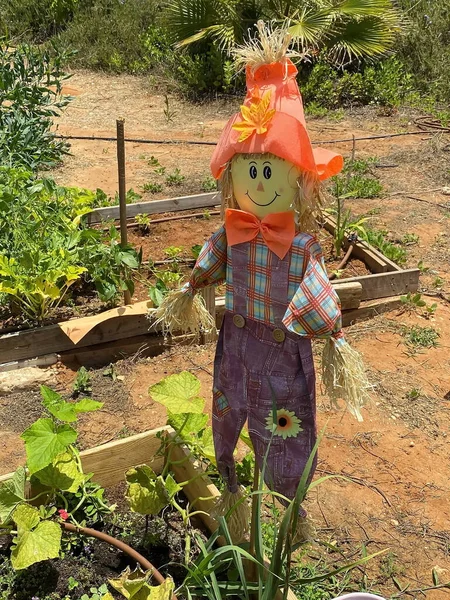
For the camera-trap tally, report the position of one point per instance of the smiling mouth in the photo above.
(277, 195)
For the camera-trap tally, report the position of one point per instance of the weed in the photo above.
(153, 188)
(337, 115)
(196, 249)
(359, 186)
(420, 337)
(378, 239)
(96, 593)
(389, 568)
(412, 301)
(82, 383)
(169, 114)
(422, 268)
(110, 372)
(207, 214)
(438, 282)
(414, 393)
(409, 239)
(209, 184)
(373, 211)
(172, 252)
(160, 170)
(153, 162)
(175, 178)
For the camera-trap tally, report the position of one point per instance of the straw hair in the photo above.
(179, 311)
(307, 203)
(238, 520)
(271, 47)
(344, 376)
(304, 532)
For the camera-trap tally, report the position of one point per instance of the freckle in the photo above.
(281, 190)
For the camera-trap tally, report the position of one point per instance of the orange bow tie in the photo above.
(277, 229)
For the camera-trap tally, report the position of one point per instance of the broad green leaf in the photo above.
(26, 517)
(87, 405)
(62, 474)
(187, 425)
(57, 406)
(145, 492)
(32, 546)
(179, 393)
(134, 586)
(12, 492)
(171, 486)
(66, 411)
(44, 440)
(245, 437)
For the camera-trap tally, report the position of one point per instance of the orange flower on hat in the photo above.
(287, 424)
(256, 116)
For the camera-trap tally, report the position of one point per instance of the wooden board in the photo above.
(153, 207)
(139, 345)
(370, 309)
(110, 461)
(384, 285)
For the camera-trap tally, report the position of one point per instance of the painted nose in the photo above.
(260, 187)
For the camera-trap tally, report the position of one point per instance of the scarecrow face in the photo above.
(265, 184)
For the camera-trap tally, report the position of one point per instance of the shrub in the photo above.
(424, 46)
(30, 96)
(36, 21)
(386, 83)
(117, 36)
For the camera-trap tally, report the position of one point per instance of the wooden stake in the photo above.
(122, 191)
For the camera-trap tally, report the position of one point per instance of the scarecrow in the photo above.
(278, 296)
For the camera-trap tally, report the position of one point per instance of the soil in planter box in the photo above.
(89, 563)
(185, 233)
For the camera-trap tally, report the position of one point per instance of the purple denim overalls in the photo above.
(252, 359)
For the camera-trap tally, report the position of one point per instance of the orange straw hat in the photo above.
(272, 120)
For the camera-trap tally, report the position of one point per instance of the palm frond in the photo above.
(310, 27)
(368, 37)
(186, 18)
(361, 8)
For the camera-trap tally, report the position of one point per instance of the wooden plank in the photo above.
(110, 461)
(104, 354)
(349, 293)
(384, 285)
(370, 309)
(200, 491)
(47, 360)
(153, 207)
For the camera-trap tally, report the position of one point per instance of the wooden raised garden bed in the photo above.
(121, 331)
(109, 463)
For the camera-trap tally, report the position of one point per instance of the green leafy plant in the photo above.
(378, 239)
(420, 337)
(209, 184)
(153, 162)
(414, 393)
(143, 221)
(196, 249)
(175, 178)
(53, 469)
(38, 272)
(153, 188)
(414, 301)
(30, 97)
(82, 383)
(100, 593)
(410, 239)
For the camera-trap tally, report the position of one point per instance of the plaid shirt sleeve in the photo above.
(211, 265)
(314, 310)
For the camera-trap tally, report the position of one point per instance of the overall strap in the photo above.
(279, 287)
(239, 266)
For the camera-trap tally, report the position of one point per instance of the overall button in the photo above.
(239, 321)
(278, 335)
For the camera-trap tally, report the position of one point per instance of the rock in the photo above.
(24, 379)
(411, 444)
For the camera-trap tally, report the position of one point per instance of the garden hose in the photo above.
(104, 537)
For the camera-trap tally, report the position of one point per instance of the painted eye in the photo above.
(253, 172)
(267, 172)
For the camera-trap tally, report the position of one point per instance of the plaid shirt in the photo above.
(313, 305)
